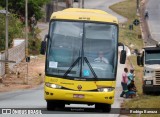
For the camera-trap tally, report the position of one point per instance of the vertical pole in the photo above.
(56, 5)
(26, 40)
(27, 74)
(66, 3)
(26, 27)
(82, 3)
(79, 3)
(137, 6)
(6, 45)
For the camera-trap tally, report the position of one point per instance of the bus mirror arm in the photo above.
(46, 37)
(43, 45)
(122, 54)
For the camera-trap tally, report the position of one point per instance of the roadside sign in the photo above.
(27, 59)
(136, 22)
(131, 27)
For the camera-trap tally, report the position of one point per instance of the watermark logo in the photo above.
(6, 111)
(20, 111)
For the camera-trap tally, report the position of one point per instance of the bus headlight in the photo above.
(108, 89)
(54, 86)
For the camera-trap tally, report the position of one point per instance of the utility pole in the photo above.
(82, 3)
(6, 45)
(26, 28)
(67, 4)
(79, 3)
(26, 40)
(56, 5)
(137, 6)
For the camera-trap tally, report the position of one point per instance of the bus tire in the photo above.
(103, 107)
(97, 106)
(106, 108)
(60, 105)
(51, 105)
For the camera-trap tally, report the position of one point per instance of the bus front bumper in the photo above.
(84, 97)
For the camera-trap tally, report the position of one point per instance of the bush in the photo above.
(15, 29)
(34, 42)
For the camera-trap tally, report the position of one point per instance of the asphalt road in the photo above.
(153, 7)
(33, 98)
(104, 5)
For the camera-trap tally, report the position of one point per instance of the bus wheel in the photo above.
(103, 107)
(60, 105)
(51, 105)
(97, 106)
(106, 108)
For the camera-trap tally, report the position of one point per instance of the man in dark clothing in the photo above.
(132, 89)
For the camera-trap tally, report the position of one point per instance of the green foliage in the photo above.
(15, 29)
(18, 7)
(34, 42)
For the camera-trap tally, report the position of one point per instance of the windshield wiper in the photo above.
(90, 67)
(75, 62)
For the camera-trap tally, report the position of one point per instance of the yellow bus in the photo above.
(81, 58)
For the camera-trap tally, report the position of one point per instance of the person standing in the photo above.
(131, 76)
(146, 16)
(124, 83)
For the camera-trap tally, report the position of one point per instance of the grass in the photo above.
(128, 9)
(126, 36)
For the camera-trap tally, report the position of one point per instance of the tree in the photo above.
(15, 29)
(18, 7)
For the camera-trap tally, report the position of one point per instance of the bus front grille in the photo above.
(157, 75)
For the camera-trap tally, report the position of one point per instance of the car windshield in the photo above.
(152, 57)
(82, 50)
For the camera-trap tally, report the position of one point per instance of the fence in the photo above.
(16, 53)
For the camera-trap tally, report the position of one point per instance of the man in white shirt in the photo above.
(101, 58)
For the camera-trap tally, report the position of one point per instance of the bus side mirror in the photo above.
(142, 59)
(139, 58)
(43, 47)
(122, 54)
(123, 57)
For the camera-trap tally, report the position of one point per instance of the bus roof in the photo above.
(84, 14)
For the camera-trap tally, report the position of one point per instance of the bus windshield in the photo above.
(82, 50)
(152, 57)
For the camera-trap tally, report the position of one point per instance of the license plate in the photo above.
(78, 96)
(148, 82)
